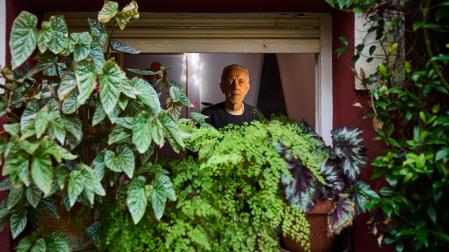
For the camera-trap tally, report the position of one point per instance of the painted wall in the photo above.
(345, 114)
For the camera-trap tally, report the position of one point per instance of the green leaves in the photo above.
(119, 46)
(178, 96)
(110, 81)
(83, 180)
(41, 121)
(85, 78)
(123, 160)
(42, 172)
(161, 191)
(136, 199)
(18, 222)
(22, 41)
(142, 132)
(146, 93)
(52, 35)
(82, 42)
(98, 30)
(109, 10)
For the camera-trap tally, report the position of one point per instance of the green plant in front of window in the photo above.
(229, 196)
(78, 128)
(410, 115)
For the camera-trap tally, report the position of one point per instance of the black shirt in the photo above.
(219, 117)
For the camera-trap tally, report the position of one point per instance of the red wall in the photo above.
(345, 114)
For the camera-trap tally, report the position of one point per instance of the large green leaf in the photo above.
(33, 195)
(109, 85)
(99, 165)
(42, 172)
(97, 55)
(146, 93)
(68, 83)
(162, 183)
(136, 199)
(24, 244)
(27, 119)
(17, 164)
(59, 34)
(178, 95)
(44, 36)
(39, 246)
(61, 174)
(82, 43)
(75, 186)
(170, 125)
(117, 135)
(13, 129)
(73, 125)
(142, 132)
(89, 182)
(109, 10)
(14, 197)
(123, 161)
(158, 200)
(56, 129)
(70, 104)
(24, 172)
(18, 222)
(57, 242)
(98, 30)
(85, 78)
(99, 114)
(41, 121)
(22, 41)
(157, 132)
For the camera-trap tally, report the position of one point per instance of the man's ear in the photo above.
(222, 87)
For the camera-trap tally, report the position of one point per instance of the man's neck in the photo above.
(234, 109)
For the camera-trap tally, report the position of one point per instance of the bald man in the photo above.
(234, 85)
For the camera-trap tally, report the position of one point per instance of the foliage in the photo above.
(410, 115)
(78, 128)
(228, 196)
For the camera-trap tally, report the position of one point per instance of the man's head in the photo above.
(235, 83)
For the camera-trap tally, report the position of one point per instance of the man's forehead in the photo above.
(236, 71)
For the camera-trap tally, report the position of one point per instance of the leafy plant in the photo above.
(78, 129)
(410, 116)
(228, 195)
(337, 177)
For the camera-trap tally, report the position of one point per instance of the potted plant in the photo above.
(78, 129)
(332, 203)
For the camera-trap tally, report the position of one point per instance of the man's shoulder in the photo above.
(213, 108)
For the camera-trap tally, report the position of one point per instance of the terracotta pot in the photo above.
(319, 240)
(73, 224)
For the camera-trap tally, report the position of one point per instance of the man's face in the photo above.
(235, 85)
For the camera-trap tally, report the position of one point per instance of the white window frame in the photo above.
(273, 40)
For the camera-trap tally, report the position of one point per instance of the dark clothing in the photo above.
(219, 117)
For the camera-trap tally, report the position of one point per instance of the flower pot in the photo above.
(72, 224)
(319, 239)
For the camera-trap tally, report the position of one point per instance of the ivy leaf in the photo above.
(22, 41)
(75, 187)
(99, 114)
(41, 121)
(98, 30)
(109, 10)
(97, 55)
(85, 78)
(58, 34)
(82, 42)
(119, 46)
(33, 195)
(178, 95)
(110, 162)
(18, 222)
(146, 93)
(136, 199)
(57, 242)
(341, 215)
(42, 172)
(142, 132)
(109, 85)
(68, 83)
(39, 246)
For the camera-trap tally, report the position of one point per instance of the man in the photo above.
(234, 85)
